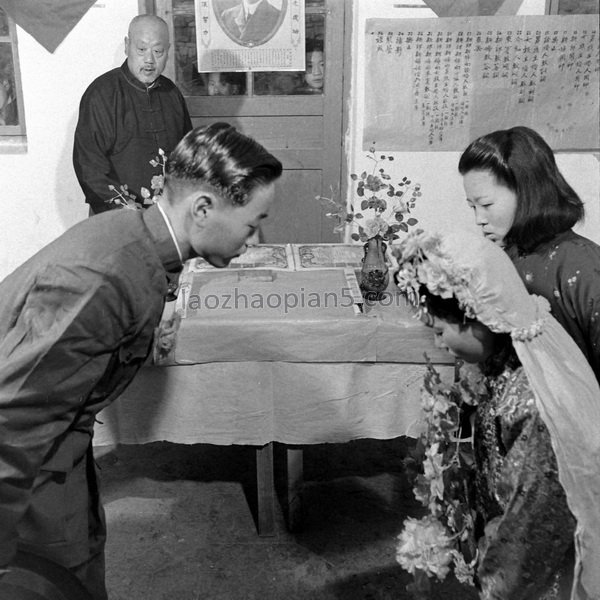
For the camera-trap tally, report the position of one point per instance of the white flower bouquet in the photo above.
(442, 541)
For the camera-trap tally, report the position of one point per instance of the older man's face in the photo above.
(147, 48)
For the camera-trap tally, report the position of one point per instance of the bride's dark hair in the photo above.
(448, 309)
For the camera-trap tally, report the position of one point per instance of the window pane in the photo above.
(9, 114)
(277, 83)
(224, 84)
(3, 23)
(193, 83)
(310, 81)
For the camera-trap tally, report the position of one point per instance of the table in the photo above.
(277, 356)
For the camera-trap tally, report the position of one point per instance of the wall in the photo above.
(442, 204)
(40, 195)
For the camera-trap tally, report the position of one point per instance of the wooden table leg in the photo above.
(265, 487)
(295, 482)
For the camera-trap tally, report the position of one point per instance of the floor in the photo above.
(181, 525)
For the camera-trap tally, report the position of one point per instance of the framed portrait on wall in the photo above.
(253, 29)
(251, 35)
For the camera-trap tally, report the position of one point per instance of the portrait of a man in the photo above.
(251, 22)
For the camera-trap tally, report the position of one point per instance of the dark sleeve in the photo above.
(61, 341)
(176, 110)
(568, 276)
(580, 297)
(94, 138)
(187, 121)
(536, 529)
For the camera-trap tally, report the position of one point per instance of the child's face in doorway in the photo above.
(315, 69)
(216, 85)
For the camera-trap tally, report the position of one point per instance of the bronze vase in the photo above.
(374, 274)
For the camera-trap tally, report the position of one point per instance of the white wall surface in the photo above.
(442, 205)
(40, 194)
(41, 197)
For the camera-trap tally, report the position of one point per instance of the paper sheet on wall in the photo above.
(436, 84)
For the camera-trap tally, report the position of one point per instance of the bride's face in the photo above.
(471, 341)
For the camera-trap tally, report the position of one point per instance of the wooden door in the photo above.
(302, 128)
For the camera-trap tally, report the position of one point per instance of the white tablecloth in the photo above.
(306, 375)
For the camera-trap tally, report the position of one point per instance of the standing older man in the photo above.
(77, 322)
(126, 116)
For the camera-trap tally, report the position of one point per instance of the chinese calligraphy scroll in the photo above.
(436, 84)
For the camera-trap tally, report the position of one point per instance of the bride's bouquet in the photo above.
(442, 541)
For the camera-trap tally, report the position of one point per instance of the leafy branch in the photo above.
(378, 196)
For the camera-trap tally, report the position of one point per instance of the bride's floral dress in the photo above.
(524, 525)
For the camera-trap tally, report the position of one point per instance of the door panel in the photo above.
(293, 218)
(302, 128)
(277, 131)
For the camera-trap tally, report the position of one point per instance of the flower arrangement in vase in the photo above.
(380, 211)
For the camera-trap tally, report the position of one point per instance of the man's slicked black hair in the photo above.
(222, 157)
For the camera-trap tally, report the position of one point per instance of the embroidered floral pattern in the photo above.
(528, 526)
(126, 199)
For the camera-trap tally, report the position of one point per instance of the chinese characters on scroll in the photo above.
(435, 84)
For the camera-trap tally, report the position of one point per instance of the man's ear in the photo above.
(126, 45)
(201, 206)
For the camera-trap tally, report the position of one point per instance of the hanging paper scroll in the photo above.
(436, 84)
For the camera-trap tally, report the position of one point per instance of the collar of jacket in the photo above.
(165, 247)
(138, 85)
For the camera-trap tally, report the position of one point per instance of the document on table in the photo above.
(263, 256)
(327, 256)
(290, 257)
